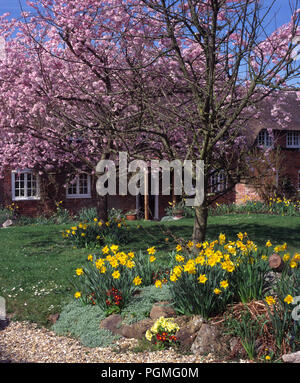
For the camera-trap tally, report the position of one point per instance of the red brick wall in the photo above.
(245, 192)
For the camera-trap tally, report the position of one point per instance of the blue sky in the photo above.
(283, 13)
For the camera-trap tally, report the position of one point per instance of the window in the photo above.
(80, 187)
(264, 139)
(218, 182)
(25, 185)
(293, 139)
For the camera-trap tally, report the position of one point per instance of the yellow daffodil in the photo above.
(178, 248)
(79, 271)
(105, 250)
(116, 274)
(270, 300)
(202, 278)
(224, 284)
(77, 294)
(137, 281)
(268, 244)
(151, 250)
(158, 283)
(179, 258)
(288, 299)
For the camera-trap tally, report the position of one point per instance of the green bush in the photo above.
(5, 214)
(87, 214)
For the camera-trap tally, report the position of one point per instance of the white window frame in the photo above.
(13, 185)
(293, 136)
(77, 183)
(221, 182)
(264, 139)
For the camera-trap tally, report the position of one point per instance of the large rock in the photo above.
(162, 309)
(112, 323)
(189, 330)
(291, 358)
(209, 340)
(137, 330)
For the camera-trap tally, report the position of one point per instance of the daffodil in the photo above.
(137, 281)
(116, 274)
(77, 294)
(79, 271)
(270, 300)
(151, 250)
(288, 299)
(224, 284)
(202, 278)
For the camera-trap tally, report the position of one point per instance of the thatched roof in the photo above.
(288, 114)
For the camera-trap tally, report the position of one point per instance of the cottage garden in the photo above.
(173, 293)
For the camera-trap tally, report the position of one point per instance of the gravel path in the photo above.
(24, 342)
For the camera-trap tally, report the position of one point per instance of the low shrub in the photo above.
(276, 206)
(87, 214)
(82, 322)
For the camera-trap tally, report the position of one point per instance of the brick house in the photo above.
(36, 195)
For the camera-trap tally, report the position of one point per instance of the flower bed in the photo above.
(207, 279)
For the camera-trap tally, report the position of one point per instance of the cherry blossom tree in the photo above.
(84, 79)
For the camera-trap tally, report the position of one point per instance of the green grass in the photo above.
(37, 264)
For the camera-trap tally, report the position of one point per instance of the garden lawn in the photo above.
(37, 265)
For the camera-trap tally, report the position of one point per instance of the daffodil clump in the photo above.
(163, 332)
(282, 302)
(97, 233)
(284, 206)
(205, 277)
(112, 270)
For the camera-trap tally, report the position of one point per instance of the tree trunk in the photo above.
(200, 223)
(102, 207)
